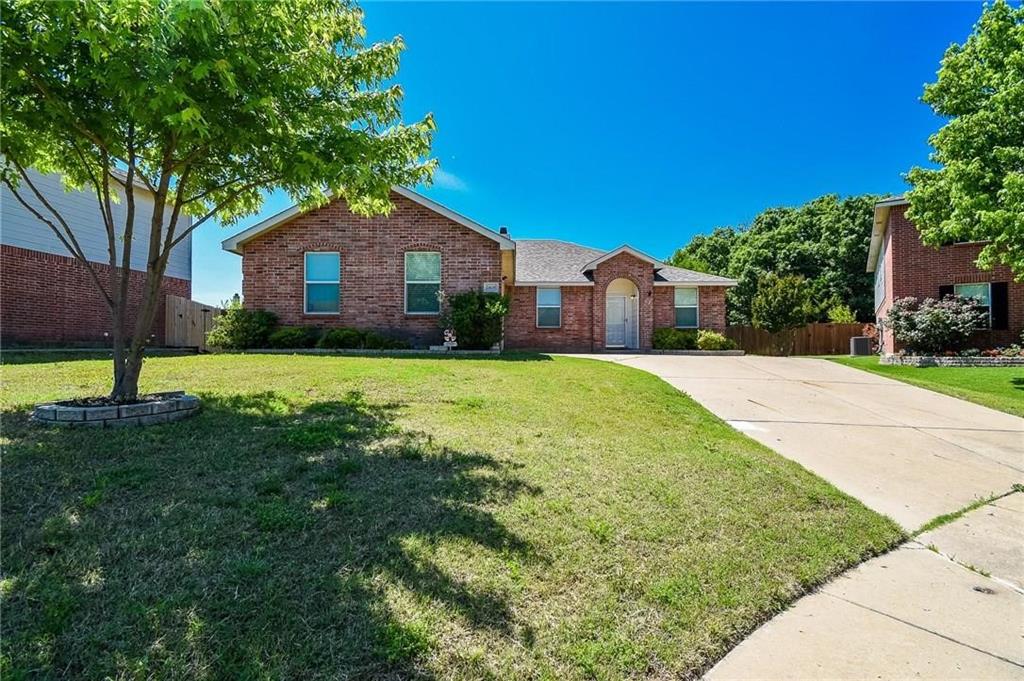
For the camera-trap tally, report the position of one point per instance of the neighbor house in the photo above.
(46, 295)
(904, 267)
(328, 267)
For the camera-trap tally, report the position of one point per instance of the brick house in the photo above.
(331, 268)
(904, 267)
(47, 296)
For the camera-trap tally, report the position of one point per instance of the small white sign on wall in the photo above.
(491, 287)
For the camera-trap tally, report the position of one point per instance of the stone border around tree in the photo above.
(942, 361)
(170, 407)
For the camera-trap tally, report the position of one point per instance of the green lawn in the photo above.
(1000, 388)
(333, 517)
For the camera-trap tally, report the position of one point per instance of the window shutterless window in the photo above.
(982, 296)
(322, 283)
(686, 303)
(422, 282)
(549, 308)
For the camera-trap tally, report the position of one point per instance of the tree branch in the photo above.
(179, 192)
(77, 254)
(129, 221)
(215, 210)
(105, 210)
(204, 194)
(80, 127)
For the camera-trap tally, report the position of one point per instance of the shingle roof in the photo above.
(549, 261)
(677, 275)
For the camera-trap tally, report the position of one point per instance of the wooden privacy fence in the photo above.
(186, 322)
(813, 339)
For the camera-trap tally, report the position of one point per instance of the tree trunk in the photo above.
(126, 385)
(126, 382)
(119, 356)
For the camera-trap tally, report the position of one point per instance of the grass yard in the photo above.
(999, 388)
(341, 517)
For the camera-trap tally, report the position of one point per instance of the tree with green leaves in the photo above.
(826, 241)
(207, 104)
(781, 303)
(708, 253)
(977, 193)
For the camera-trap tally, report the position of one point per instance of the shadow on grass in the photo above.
(48, 356)
(1018, 383)
(257, 540)
(512, 356)
(15, 356)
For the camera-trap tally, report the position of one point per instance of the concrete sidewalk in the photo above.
(908, 614)
(949, 604)
(907, 452)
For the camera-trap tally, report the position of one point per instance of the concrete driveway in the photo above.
(947, 604)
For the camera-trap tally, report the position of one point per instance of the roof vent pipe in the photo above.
(503, 231)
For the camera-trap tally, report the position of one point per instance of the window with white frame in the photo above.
(549, 307)
(982, 296)
(323, 283)
(686, 304)
(422, 282)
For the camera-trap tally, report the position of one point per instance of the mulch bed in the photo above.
(105, 401)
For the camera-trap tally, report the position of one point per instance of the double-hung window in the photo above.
(322, 283)
(982, 296)
(686, 303)
(549, 308)
(422, 282)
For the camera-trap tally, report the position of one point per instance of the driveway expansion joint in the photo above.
(924, 629)
(911, 612)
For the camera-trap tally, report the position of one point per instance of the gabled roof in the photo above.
(550, 261)
(666, 275)
(881, 223)
(624, 248)
(235, 242)
(561, 263)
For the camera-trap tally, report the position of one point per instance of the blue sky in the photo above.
(605, 123)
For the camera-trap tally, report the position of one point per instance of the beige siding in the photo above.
(18, 227)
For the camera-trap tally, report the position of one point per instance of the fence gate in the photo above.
(186, 322)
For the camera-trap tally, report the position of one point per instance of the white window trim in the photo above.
(538, 307)
(306, 282)
(407, 281)
(695, 306)
(880, 276)
(987, 284)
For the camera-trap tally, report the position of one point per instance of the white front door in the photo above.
(615, 321)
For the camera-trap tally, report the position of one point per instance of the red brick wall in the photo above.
(575, 334)
(46, 298)
(710, 307)
(372, 266)
(918, 270)
(641, 273)
(582, 332)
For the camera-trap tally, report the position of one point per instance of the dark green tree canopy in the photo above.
(825, 241)
(707, 253)
(977, 193)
